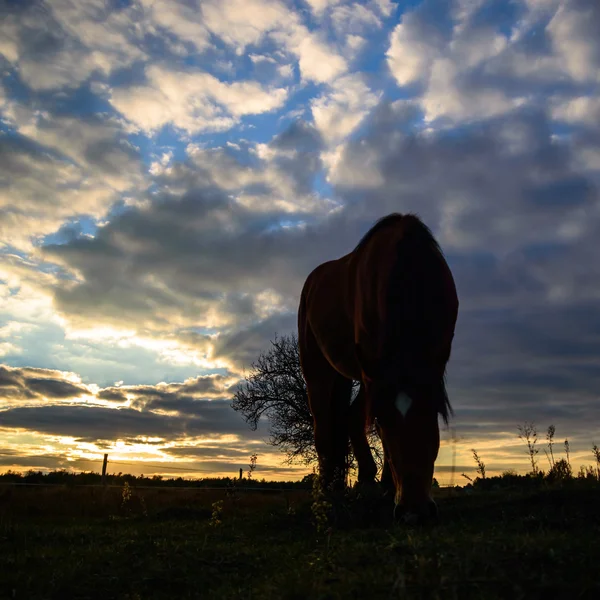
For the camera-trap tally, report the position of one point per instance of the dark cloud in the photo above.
(36, 461)
(23, 384)
(210, 386)
(207, 452)
(183, 405)
(8, 452)
(112, 395)
(214, 267)
(300, 137)
(189, 397)
(54, 388)
(244, 346)
(91, 423)
(568, 193)
(199, 407)
(12, 385)
(453, 469)
(24, 166)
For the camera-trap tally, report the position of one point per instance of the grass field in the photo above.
(85, 542)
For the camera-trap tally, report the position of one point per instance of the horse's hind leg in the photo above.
(329, 405)
(328, 396)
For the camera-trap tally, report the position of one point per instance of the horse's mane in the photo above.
(415, 231)
(412, 221)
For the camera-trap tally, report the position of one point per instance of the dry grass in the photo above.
(69, 542)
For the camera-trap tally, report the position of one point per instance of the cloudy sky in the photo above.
(171, 170)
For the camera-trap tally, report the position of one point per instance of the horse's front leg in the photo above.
(367, 469)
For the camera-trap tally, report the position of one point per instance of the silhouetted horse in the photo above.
(384, 315)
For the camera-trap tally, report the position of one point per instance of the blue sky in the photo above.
(172, 170)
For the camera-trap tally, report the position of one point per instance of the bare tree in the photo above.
(275, 389)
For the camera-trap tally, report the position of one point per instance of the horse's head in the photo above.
(406, 407)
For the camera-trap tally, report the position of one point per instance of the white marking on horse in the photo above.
(403, 403)
(355, 392)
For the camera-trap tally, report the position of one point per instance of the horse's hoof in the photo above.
(426, 515)
(368, 486)
(412, 519)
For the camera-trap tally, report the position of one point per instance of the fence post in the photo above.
(241, 472)
(104, 469)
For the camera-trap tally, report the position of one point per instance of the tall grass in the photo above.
(559, 470)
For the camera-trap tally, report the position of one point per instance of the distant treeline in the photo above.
(531, 481)
(509, 479)
(90, 478)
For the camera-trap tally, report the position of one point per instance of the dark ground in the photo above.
(78, 542)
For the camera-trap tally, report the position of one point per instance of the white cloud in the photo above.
(284, 172)
(25, 297)
(193, 101)
(320, 6)
(258, 58)
(462, 69)
(75, 40)
(12, 331)
(317, 60)
(180, 19)
(445, 98)
(248, 97)
(340, 110)
(161, 165)
(343, 171)
(574, 30)
(9, 40)
(414, 46)
(385, 7)
(112, 36)
(244, 22)
(286, 71)
(355, 18)
(582, 110)
(355, 43)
